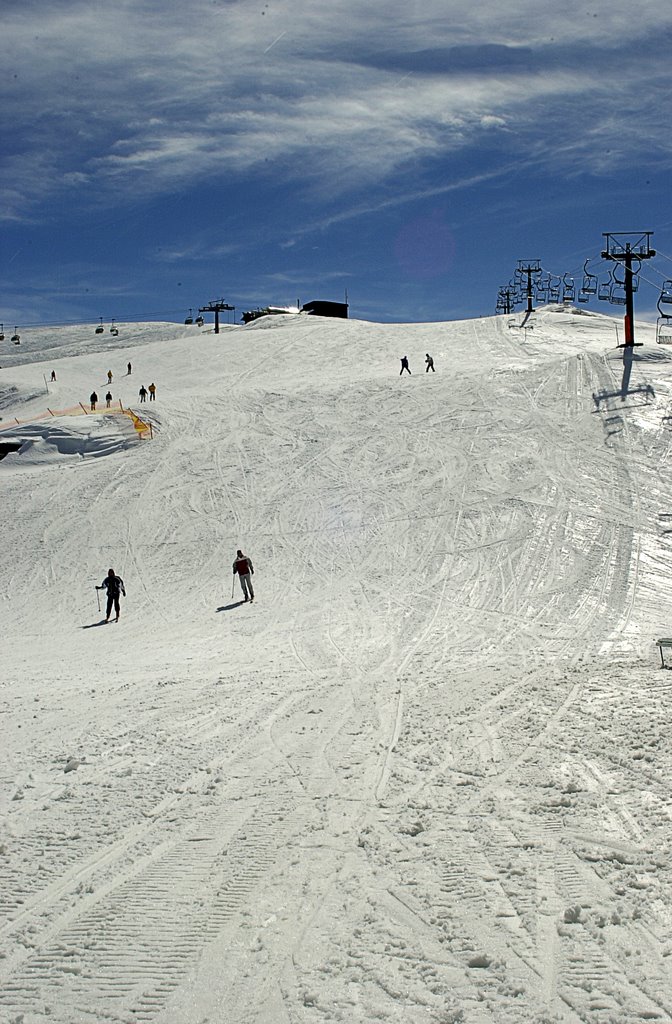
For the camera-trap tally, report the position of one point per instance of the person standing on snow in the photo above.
(243, 566)
(152, 392)
(114, 585)
(143, 393)
(53, 374)
(108, 398)
(404, 365)
(109, 376)
(430, 363)
(129, 368)
(93, 399)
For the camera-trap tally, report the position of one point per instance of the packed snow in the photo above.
(425, 778)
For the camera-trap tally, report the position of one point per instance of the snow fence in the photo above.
(144, 429)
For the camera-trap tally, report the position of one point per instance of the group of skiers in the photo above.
(94, 400)
(93, 397)
(429, 364)
(114, 585)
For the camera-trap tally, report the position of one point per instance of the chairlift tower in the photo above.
(532, 268)
(216, 307)
(505, 300)
(623, 247)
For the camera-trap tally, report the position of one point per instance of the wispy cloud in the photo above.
(142, 96)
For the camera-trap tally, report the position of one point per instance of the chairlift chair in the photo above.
(16, 337)
(664, 330)
(568, 289)
(589, 283)
(189, 319)
(2, 332)
(100, 329)
(664, 321)
(583, 295)
(617, 294)
(604, 291)
(199, 321)
(113, 330)
(554, 293)
(666, 292)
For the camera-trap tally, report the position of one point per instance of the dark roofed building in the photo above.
(320, 308)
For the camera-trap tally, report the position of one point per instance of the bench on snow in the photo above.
(665, 641)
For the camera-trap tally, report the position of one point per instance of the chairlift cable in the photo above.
(87, 322)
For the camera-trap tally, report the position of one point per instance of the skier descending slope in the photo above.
(113, 585)
(243, 566)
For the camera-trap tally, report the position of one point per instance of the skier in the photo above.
(430, 363)
(128, 368)
(93, 399)
(243, 566)
(108, 398)
(152, 392)
(404, 365)
(53, 374)
(113, 585)
(143, 393)
(109, 376)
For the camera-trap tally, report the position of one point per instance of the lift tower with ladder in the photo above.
(216, 307)
(626, 248)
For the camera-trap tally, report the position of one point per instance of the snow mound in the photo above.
(58, 442)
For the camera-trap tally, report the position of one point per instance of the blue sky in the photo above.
(159, 155)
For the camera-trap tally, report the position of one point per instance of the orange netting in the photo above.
(144, 429)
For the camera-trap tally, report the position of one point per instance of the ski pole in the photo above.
(233, 587)
(98, 598)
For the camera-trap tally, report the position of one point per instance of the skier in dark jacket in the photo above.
(243, 566)
(93, 399)
(114, 585)
(404, 365)
(430, 363)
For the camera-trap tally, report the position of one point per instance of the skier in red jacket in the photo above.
(243, 566)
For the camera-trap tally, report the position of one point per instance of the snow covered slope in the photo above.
(425, 777)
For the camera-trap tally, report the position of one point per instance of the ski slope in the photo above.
(425, 777)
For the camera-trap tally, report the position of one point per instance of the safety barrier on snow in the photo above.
(144, 430)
